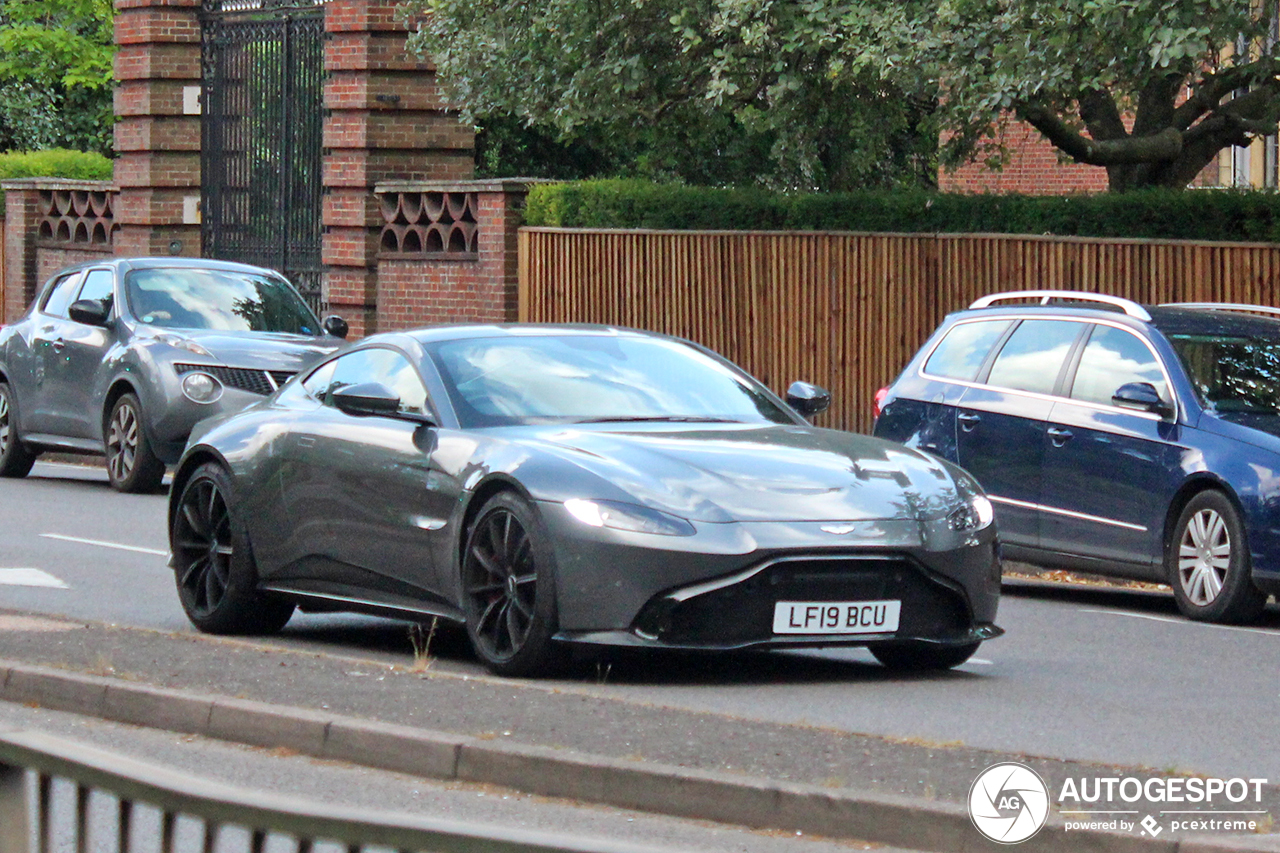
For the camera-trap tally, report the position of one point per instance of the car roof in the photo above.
(462, 331)
(125, 264)
(1180, 320)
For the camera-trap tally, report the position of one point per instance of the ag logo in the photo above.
(1008, 802)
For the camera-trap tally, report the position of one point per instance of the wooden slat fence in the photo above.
(847, 310)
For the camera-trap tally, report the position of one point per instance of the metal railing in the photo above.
(44, 778)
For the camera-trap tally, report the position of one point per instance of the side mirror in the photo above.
(91, 312)
(366, 398)
(808, 400)
(336, 326)
(1142, 396)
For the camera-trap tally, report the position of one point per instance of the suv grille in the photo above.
(243, 378)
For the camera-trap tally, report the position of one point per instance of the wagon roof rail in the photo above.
(1128, 306)
(1223, 306)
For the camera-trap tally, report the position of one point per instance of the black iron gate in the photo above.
(263, 77)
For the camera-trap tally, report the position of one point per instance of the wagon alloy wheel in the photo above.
(1208, 564)
(202, 545)
(15, 459)
(1204, 556)
(508, 589)
(213, 561)
(131, 464)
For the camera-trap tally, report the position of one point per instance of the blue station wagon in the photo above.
(1139, 442)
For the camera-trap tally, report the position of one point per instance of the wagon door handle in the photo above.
(968, 421)
(1059, 436)
(57, 344)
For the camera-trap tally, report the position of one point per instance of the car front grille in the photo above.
(243, 378)
(741, 613)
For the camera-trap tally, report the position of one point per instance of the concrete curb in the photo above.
(645, 786)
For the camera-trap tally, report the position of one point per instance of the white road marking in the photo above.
(1189, 622)
(30, 577)
(101, 544)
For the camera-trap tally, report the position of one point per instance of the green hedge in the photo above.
(54, 163)
(1229, 215)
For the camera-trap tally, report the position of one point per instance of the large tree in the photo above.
(713, 91)
(55, 74)
(1150, 90)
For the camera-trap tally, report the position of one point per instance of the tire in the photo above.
(1208, 564)
(131, 464)
(213, 562)
(509, 589)
(918, 657)
(15, 459)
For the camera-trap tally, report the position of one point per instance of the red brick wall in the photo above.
(50, 260)
(1033, 169)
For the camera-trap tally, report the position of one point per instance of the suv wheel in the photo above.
(1208, 565)
(15, 459)
(131, 464)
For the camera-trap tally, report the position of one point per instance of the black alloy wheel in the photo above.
(213, 562)
(1208, 564)
(131, 464)
(15, 459)
(508, 589)
(916, 656)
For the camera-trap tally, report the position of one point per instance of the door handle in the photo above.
(1059, 436)
(58, 344)
(968, 421)
(306, 441)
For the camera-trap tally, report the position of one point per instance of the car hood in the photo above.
(265, 350)
(1259, 430)
(737, 472)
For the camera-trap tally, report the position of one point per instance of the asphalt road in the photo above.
(1094, 675)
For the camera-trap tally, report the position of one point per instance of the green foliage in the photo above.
(54, 163)
(1226, 215)
(55, 74)
(717, 91)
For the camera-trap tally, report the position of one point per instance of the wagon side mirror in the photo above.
(1142, 396)
(808, 400)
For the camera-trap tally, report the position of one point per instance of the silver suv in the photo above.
(122, 357)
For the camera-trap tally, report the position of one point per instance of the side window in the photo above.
(1032, 357)
(317, 384)
(99, 285)
(384, 366)
(1112, 358)
(59, 296)
(962, 351)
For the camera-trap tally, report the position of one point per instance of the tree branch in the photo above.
(1105, 152)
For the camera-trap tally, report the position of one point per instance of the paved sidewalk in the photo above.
(553, 738)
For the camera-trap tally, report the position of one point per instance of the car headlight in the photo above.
(183, 343)
(620, 516)
(976, 514)
(201, 388)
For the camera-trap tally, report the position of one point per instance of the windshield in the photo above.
(221, 300)
(1232, 374)
(594, 378)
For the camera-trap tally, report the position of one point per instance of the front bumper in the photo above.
(718, 588)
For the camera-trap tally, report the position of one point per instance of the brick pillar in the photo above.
(385, 120)
(157, 135)
(21, 225)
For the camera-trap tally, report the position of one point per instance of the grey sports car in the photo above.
(552, 485)
(122, 356)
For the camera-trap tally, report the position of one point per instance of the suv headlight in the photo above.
(201, 387)
(621, 516)
(976, 514)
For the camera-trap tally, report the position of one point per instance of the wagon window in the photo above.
(962, 351)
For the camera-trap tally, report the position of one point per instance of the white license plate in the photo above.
(836, 617)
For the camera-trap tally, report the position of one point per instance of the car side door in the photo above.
(40, 407)
(1002, 419)
(80, 349)
(360, 483)
(1110, 471)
